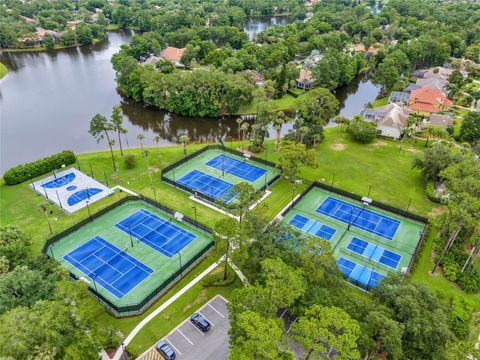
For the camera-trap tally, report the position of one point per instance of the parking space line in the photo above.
(196, 329)
(191, 343)
(173, 346)
(210, 321)
(218, 312)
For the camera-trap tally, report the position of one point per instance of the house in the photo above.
(72, 24)
(305, 80)
(358, 47)
(391, 119)
(173, 54)
(310, 3)
(151, 60)
(425, 101)
(312, 60)
(443, 121)
(399, 97)
(435, 83)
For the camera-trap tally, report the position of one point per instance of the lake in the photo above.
(48, 98)
(256, 24)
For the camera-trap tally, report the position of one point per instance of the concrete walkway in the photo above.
(141, 324)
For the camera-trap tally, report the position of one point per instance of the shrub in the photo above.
(451, 269)
(461, 311)
(130, 161)
(469, 282)
(361, 130)
(21, 173)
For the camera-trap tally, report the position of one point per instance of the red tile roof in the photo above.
(172, 53)
(429, 100)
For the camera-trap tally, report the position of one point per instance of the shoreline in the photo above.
(3, 71)
(57, 47)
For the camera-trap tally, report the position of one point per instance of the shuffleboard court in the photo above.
(312, 227)
(359, 273)
(108, 266)
(59, 181)
(238, 168)
(374, 252)
(161, 235)
(208, 185)
(359, 217)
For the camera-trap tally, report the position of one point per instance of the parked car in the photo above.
(199, 321)
(165, 350)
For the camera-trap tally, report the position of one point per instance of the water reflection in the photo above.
(256, 24)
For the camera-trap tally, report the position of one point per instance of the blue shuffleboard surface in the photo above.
(312, 227)
(208, 185)
(59, 181)
(236, 167)
(108, 266)
(161, 235)
(374, 252)
(360, 217)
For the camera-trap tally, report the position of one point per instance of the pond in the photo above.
(48, 98)
(256, 24)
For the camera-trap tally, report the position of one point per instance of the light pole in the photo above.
(130, 232)
(195, 212)
(31, 180)
(88, 209)
(180, 259)
(95, 285)
(154, 195)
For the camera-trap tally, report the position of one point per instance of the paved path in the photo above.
(162, 307)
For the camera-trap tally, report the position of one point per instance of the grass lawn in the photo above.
(182, 308)
(380, 102)
(57, 47)
(284, 103)
(3, 70)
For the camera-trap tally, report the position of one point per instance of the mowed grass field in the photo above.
(382, 168)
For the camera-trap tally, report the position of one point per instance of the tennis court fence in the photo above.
(392, 209)
(201, 195)
(136, 309)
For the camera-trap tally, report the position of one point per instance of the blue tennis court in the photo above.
(312, 227)
(161, 235)
(359, 273)
(361, 218)
(108, 266)
(208, 185)
(236, 167)
(374, 252)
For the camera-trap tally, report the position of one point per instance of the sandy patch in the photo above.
(378, 143)
(154, 169)
(436, 212)
(338, 147)
(412, 150)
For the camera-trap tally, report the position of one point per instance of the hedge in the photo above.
(21, 173)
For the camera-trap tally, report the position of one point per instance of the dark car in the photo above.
(165, 350)
(199, 321)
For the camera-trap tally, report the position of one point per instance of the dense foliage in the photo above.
(21, 173)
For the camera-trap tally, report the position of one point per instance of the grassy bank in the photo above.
(57, 47)
(3, 70)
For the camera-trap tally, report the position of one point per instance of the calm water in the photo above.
(256, 24)
(48, 98)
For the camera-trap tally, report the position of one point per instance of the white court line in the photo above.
(173, 346)
(210, 321)
(195, 329)
(218, 312)
(186, 338)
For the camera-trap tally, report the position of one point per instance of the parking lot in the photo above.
(189, 343)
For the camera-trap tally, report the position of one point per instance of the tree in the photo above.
(434, 132)
(48, 41)
(436, 158)
(245, 126)
(279, 120)
(361, 130)
(117, 121)
(157, 140)
(470, 128)
(292, 156)
(245, 195)
(284, 283)
(68, 38)
(239, 122)
(257, 337)
(99, 129)
(225, 235)
(84, 34)
(141, 137)
(327, 332)
(14, 245)
(184, 140)
(43, 206)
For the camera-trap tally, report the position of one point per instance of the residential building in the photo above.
(173, 54)
(391, 119)
(305, 80)
(425, 101)
(440, 120)
(399, 97)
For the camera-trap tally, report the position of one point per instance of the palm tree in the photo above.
(303, 131)
(239, 123)
(43, 206)
(434, 132)
(117, 121)
(244, 129)
(157, 140)
(184, 139)
(141, 137)
(279, 120)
